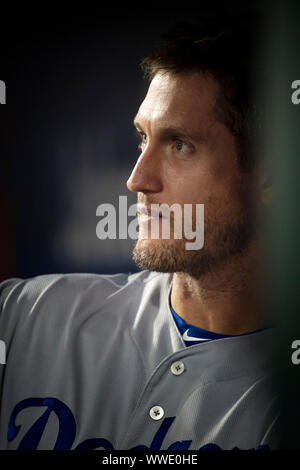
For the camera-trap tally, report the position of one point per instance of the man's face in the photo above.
(188, 157)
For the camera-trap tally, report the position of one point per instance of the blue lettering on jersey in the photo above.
(67, 430)
(92, 444)
(67, 425)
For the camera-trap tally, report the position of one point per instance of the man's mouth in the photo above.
(146, 213)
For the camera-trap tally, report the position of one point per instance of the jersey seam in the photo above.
(144, 371)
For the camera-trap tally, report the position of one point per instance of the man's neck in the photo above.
(225, 301)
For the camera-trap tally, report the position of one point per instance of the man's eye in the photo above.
(179, 144)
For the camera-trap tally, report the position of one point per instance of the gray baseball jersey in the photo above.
(97, 362)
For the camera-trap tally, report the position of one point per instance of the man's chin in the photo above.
(169, 256)
(158, 255)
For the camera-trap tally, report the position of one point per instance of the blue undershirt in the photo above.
(193, 335)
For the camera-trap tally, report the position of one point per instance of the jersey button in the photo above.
(177, 367)
(156, 412)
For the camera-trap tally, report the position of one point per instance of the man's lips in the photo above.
(146, 212)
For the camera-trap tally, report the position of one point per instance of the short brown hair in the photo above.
(226, 51)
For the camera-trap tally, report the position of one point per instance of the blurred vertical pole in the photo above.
(281, 144)
(6, 198)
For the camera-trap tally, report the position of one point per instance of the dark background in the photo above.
(67, 140)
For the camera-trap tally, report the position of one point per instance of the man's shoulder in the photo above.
(67, 288)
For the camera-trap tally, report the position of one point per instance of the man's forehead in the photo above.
(178, 97)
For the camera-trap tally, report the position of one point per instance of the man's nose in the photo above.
(146, 175)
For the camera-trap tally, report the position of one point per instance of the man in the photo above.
(173, 357)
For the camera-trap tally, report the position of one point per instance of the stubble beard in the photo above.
(222, 243)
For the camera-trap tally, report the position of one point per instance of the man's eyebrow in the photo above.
(172, 131)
